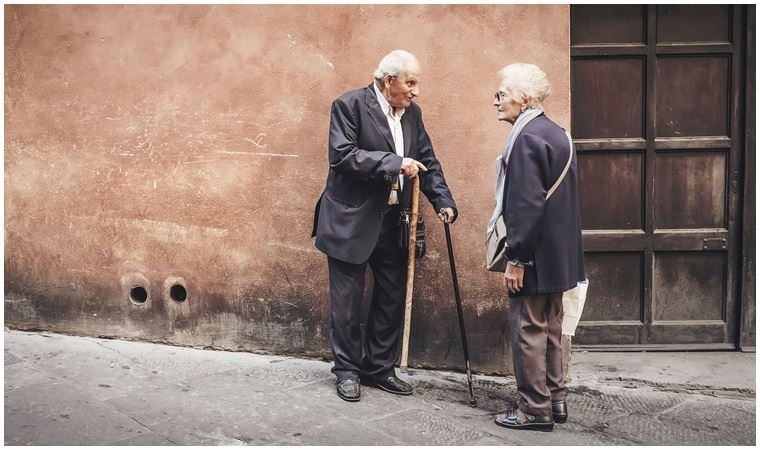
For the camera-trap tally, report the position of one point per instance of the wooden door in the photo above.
(657, 121)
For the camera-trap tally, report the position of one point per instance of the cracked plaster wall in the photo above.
(152, 144)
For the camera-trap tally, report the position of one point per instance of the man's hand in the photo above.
(513, 278)
(446, 215)
(410, 167)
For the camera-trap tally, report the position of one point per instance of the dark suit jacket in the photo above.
(546, 232)
(363, 164)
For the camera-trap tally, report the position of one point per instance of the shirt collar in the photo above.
(384, 105)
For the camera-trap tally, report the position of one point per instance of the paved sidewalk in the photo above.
(69, 390)
(705, 372)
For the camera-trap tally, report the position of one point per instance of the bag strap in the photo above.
(564, 171)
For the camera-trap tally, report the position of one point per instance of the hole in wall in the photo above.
(178, 293)
(138, 295)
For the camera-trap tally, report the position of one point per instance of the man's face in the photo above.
(401, 90)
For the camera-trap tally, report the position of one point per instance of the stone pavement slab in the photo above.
(696, 370)
(87, 391)
(56, 412)
(145, 439)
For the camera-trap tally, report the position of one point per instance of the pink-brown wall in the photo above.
(148, 145)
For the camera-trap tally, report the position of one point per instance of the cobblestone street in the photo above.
(66, 390)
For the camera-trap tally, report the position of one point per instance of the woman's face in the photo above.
(507, 108)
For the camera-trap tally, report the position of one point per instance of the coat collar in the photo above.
(376, 113)
(406, 128)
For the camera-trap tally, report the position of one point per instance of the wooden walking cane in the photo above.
(410, 270)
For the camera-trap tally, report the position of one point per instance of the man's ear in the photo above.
(387, 80)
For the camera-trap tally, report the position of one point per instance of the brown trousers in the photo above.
(535, 324)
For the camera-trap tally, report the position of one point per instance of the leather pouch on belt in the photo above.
(405, 221)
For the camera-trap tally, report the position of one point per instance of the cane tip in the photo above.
(473, 403)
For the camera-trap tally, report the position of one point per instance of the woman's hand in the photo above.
(513, 278)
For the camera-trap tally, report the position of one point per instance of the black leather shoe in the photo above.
(510, 419)
(559, 411)
(349, 390)
(392, 384)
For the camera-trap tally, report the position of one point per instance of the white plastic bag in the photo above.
(572, 305)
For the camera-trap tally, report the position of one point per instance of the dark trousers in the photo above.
(535, 324)
(377, 355)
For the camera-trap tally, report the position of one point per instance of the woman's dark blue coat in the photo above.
(544, 233)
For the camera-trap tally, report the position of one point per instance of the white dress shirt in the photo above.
(394, 123)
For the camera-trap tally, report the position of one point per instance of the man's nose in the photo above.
(415, 91)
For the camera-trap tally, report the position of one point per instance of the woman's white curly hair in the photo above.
(527, 81)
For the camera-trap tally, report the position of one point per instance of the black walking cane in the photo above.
(473, 402)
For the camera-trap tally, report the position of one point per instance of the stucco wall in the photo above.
(149, 144)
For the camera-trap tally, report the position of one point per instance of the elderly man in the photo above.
(377, 144)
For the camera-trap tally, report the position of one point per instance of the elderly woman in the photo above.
(537, 197)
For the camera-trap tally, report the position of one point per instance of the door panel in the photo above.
(612, 83)
(692, 96)
(620, 297)
(607, 23)
(690, 190)
(618, 206)
(693, 23)
(688, 286)
(655, 116)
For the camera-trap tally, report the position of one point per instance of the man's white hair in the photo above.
(527, 81)
(396, 63)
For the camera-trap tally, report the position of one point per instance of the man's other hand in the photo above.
(446, 215)
(410, 167)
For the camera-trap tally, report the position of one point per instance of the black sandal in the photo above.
(510, 419)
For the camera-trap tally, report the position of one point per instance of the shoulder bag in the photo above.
(496, 239)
